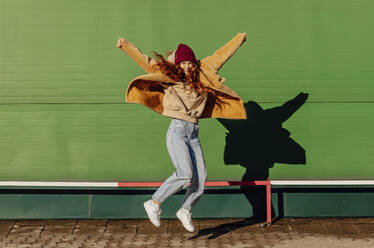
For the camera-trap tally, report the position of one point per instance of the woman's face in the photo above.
(187, 66)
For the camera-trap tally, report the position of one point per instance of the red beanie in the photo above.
(184, 53)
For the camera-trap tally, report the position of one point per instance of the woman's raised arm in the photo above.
(144, 61)
(218, 59)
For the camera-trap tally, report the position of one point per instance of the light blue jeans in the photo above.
(187, 156)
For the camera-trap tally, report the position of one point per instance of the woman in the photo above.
(186, 90)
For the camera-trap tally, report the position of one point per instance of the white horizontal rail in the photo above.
(58, 184)
(322, 182)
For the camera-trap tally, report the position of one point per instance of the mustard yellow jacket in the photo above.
(148, 89)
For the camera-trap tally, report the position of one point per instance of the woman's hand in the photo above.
(245, 37)
(119, 42)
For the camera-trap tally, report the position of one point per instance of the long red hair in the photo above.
(176, 73)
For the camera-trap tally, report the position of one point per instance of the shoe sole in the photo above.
(146, 210)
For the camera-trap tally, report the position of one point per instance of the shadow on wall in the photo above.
(260, 141)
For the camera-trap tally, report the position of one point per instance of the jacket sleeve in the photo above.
(218, 59)
(140, 58)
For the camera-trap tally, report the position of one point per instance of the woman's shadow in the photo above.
(257, 143)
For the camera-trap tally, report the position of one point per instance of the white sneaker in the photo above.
(185, 217)
(153, 211)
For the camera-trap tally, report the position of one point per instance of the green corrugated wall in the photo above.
(62, 82)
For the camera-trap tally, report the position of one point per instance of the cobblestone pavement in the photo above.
(287, 232)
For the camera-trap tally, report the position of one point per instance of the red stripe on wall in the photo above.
(208, 184)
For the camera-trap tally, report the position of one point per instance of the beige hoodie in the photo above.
(182, 102)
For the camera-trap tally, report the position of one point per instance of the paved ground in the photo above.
(287, 232)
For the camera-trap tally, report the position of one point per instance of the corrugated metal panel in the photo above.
(64, 52)
(104, 142)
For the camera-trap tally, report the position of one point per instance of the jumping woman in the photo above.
(186, 90)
